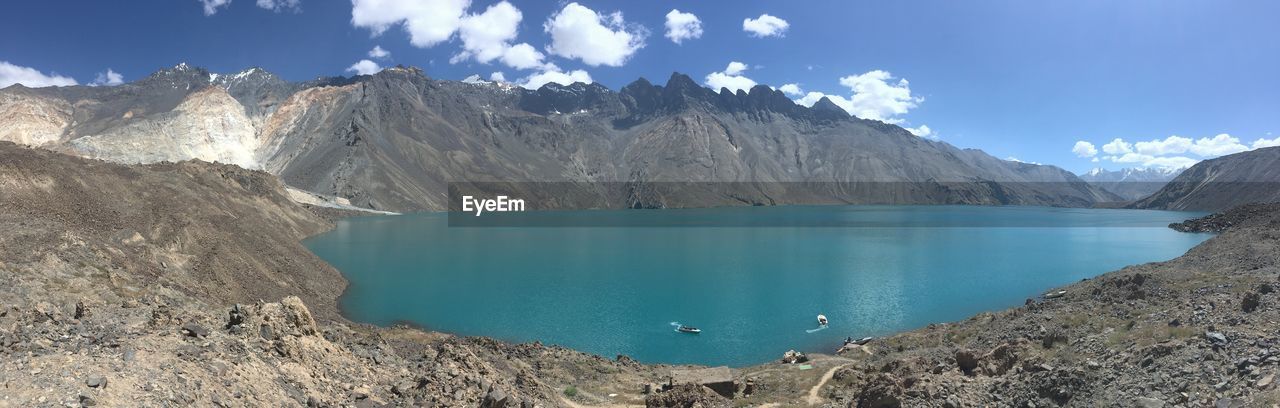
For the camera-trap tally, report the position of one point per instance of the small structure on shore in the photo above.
(718, 379)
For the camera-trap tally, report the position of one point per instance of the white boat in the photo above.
(689, 329)
(822, 320)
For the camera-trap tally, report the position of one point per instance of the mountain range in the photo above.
(395, 141)
(1130, 183)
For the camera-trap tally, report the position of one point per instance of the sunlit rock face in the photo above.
(33, 120)
(208, 125)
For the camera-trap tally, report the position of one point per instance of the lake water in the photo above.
(753, 280)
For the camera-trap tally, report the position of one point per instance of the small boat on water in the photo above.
(822, 320)
(863, 341)
(1055, 295)
(688, 329)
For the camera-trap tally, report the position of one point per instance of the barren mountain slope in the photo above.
(1222, 183)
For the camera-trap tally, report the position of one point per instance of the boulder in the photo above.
(1250, 302)
(193, 329)
(1215, 338)
(1053, 337)
(792, 357)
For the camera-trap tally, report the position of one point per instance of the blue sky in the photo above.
(1015, 78)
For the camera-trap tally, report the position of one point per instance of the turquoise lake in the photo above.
(753, 278)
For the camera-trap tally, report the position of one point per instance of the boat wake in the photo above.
(676, 326)
(820, 328)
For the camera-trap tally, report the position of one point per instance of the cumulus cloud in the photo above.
(791, 89)
(211, 6)
(1173, 152)
(109, 78)
(1084, 149)
(876, 96)
(364, 67)
(378, 53)
(1015, 160)
(537, 80)
(498, 76)
(486, 36)
(428, 22)
(30, 77)
(731, 78)
(579, 32)
(1117, 146)
(922, 131)
(683, 26)
(280, 5)
(1261, 143)
(765, 26)
(524, 56)
(813, 97)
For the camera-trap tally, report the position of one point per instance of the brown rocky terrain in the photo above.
(184, 284)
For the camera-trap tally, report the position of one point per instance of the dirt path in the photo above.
(813, 398)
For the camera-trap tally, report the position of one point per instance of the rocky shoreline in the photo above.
(185, 284)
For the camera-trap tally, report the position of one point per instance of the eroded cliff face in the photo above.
(300, 118)
(208, 125)
(33, 120)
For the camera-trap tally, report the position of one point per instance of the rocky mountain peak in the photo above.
(825, 105)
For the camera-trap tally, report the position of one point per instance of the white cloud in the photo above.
(791, 89)
(731, 78)
(497, 76)
(1171, 152)
(536, 81)
(579, 32)
(211, 6)
(765, 26)
(364, 67)
(1170, 145)
(280, 5)
(524, 56)
(1084, 149)
(1015, 160)
(30, 77)
(922, 131)
(109, 78)
(378, 53)
(683, 26)
(486, 36)
(875, 96)
(1220, 145)
(1261, 143)
(1148, 161)
(735, 68)
(813, 97)
(1117, 147)
(428, 22)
